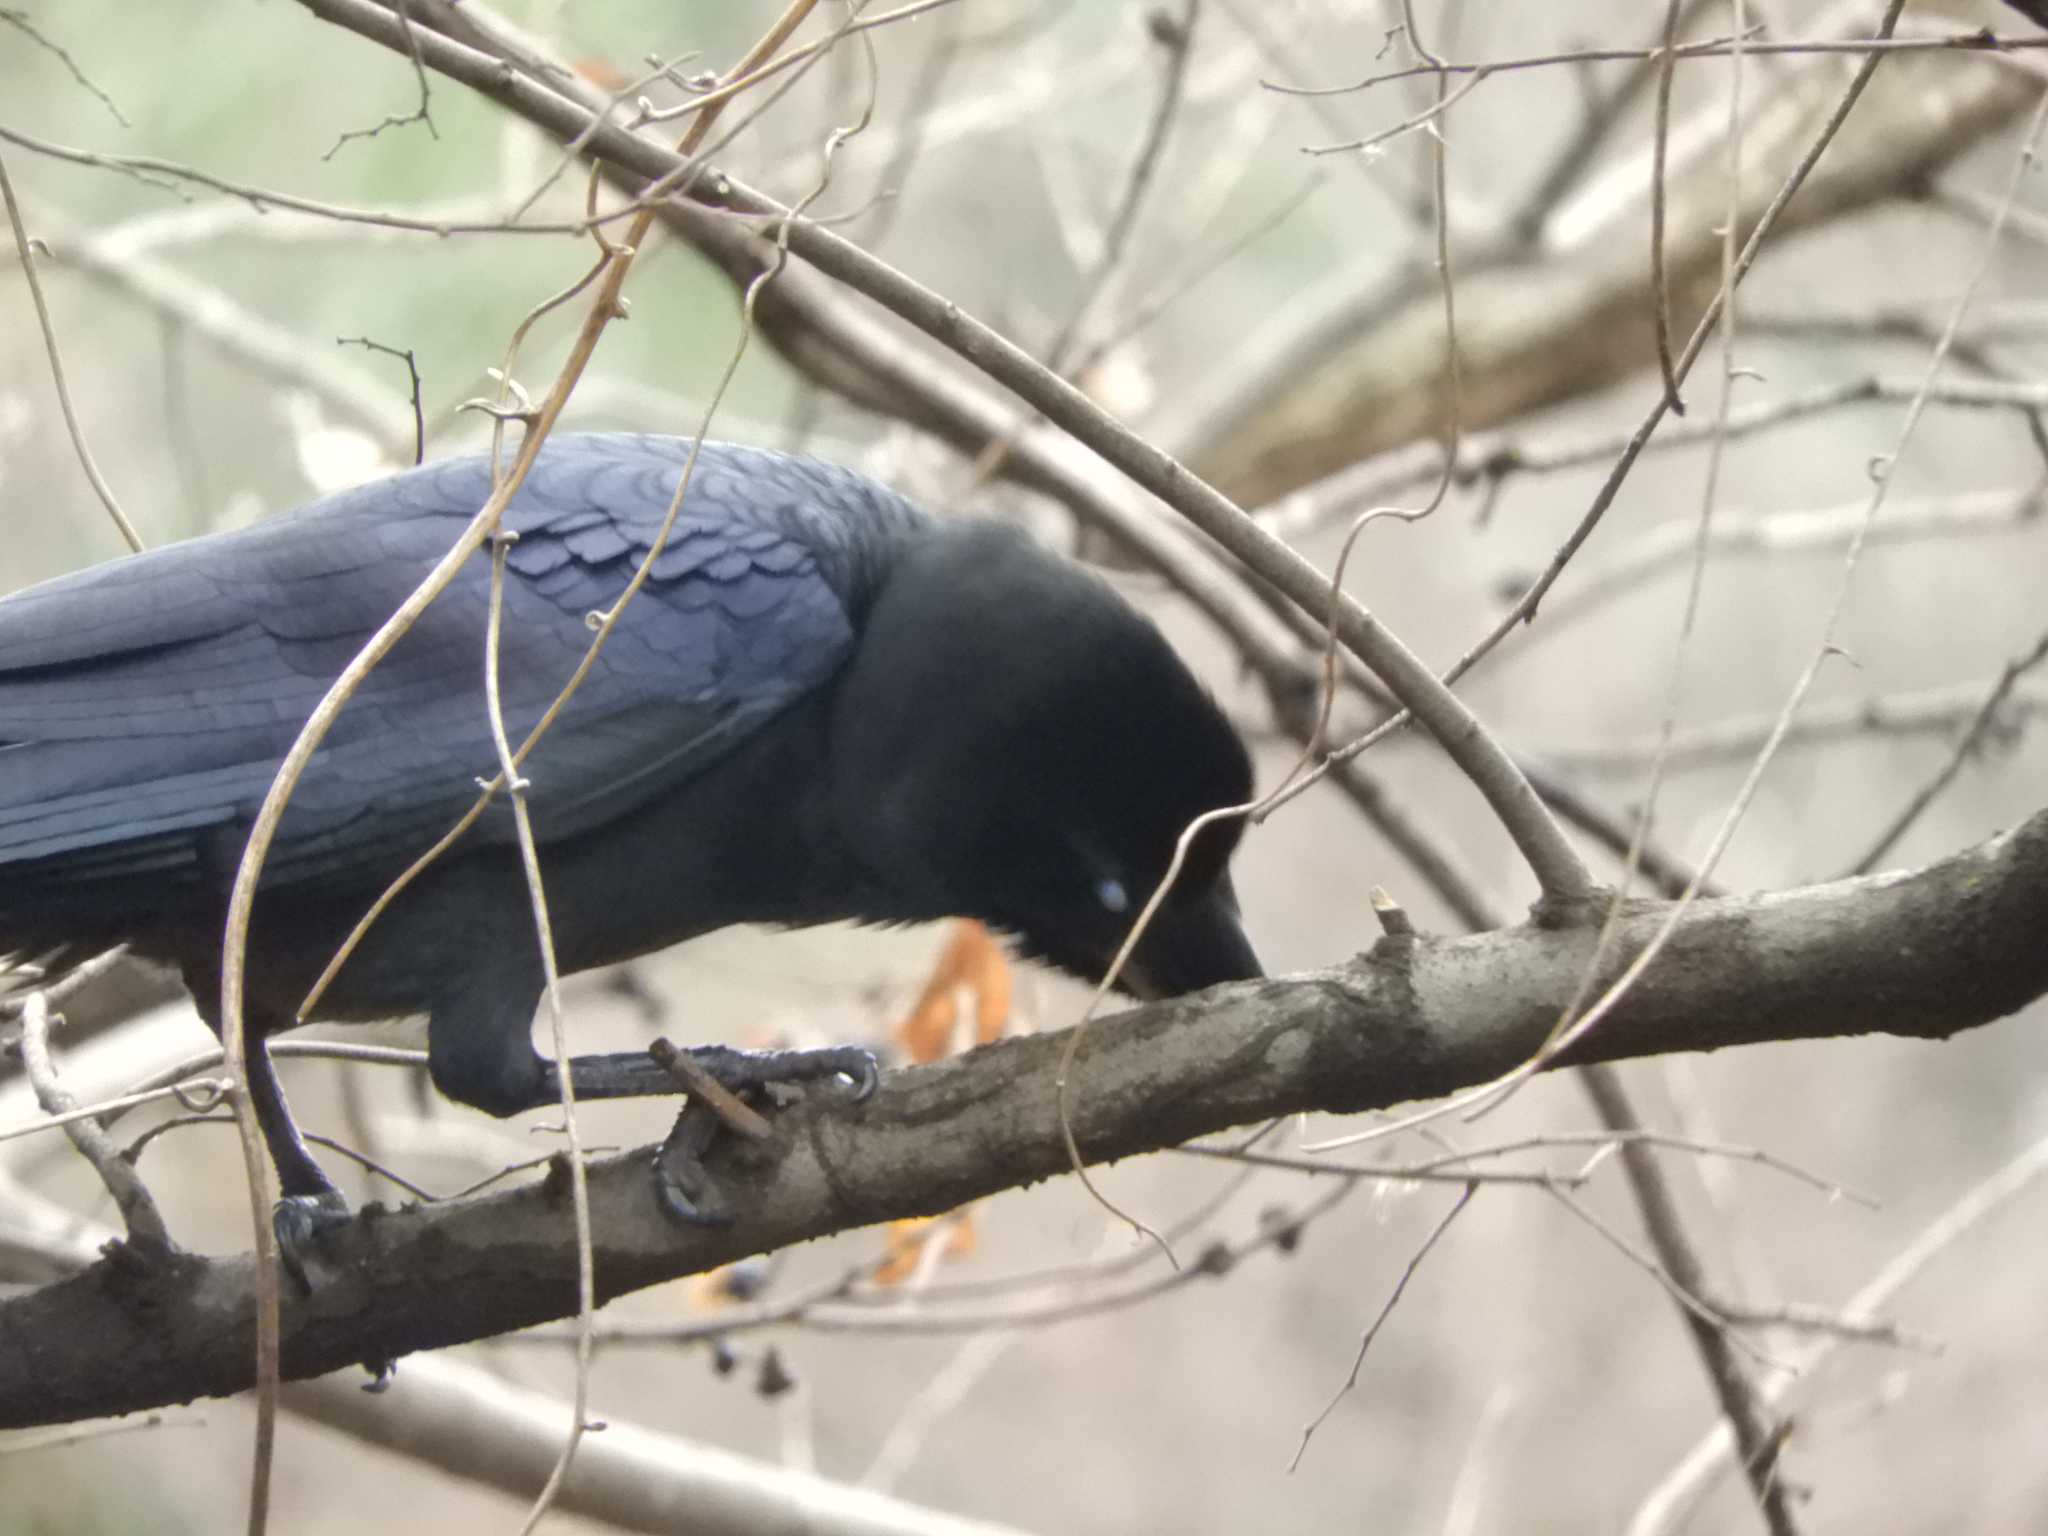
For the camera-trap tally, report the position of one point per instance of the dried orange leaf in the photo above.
(906, 1242)
(974, 960)
(927, 1033)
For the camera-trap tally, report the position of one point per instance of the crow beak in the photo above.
(1191, 947)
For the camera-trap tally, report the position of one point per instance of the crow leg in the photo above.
(297, 1172)
(480, 1050)
(311, 1204)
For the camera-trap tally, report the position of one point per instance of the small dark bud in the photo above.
(745, 1280)
(554, 1187)
(1285, 1230)
(1509, 588)
(1166, 29)
(775, 1378)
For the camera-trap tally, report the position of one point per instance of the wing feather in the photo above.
(145, 705)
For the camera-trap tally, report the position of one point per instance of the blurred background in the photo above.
(1121, 190)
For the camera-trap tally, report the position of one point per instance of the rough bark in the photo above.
(1925, 953)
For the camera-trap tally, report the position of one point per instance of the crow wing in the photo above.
(146, 704)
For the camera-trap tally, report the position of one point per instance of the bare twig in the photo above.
(544, 938)
(1426, 118)
(1660, 282)
(1576, 1028)
(1386, 1310)
(167, 175)
(1798, 1317)
(1267, 33)
(145, 1224)
(184, 1091)
(26, 248)
(1571, 161)
(74, 977)
(20, 22)
(1769, 534)
(691, 1075)
(1674, 1244)
(1457, 1159)
(1659, 1513)
(1176, 39)
(1702, 1309)
(1925, 712)
(817, 1311)
(422, 113)
(1981, 41)
(412, 370)
(1741, 1399)
(1525, 606)
(1967, 745)
(19, 1445)
(1491, 458)
(1333, 377)
(1162, 295)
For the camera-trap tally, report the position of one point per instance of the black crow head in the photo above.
(1014, 742)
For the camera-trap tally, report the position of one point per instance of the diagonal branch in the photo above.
(1572, 314)
(1927, 953)
(462, 1421)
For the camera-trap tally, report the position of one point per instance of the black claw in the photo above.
(299, 1222)
(856, 1064)
(382, 1374)
(866, 1078)
(705, 1208)
(681, 1183)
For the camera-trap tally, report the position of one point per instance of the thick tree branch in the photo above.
(1371, 351)
(1349, 378)
(1926, 953)
(468, 1423)
(464, 1420)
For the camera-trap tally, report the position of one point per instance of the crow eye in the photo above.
(1111, 893)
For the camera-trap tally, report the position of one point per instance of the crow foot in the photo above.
(725, 1085)
(299, 1222)
(741, 1071)
(664, 1069)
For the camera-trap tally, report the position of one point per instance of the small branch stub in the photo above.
(1395, 922)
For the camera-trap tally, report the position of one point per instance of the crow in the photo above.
(823, 704)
